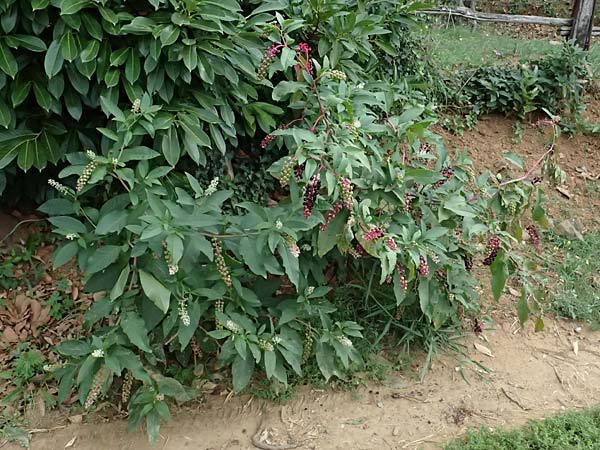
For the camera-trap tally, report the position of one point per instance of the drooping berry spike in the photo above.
(493, 248)
(286, 171)
(447, 174)
(534, 237)
(391, 244)
(468, 260)
(331, 214)
(403, 283)
(423, 267)
(220, 262)
(373, 234)
(310, 195)
(347, 194)
(270, 55)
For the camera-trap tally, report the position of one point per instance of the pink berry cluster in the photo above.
(373, 234)
(357, 252)
(493, 247)
(401, 274)
(310, 195)
(302, 52)
(534, 237)
(267, 140)
(407, 203)
(391, 244)
(220, 262)
(270, 55)
(347, 194)
(299, 171)
(423, 267)
(331, 214)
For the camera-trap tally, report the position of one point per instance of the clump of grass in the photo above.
(573, 431)
(577, 265)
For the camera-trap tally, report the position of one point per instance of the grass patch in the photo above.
(468, 47)
(573, 431)
(576, 262)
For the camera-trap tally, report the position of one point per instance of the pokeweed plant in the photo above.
(182, 275)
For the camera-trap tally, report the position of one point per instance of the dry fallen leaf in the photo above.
(71, 442)
(483, 349)
(564, 191)
(77, 418)
(575, 347)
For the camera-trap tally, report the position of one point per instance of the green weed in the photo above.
(577, 296)
(573, 431)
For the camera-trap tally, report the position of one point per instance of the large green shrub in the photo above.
(185, 272)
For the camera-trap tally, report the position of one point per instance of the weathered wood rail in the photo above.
(582, 17)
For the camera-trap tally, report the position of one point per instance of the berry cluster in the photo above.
(303, 58)
(286, 170)
(373, 234)
(173, 268)
(407, 203)
(212, 187)
(220, 262)
(534, 237)
(435, 258)
(270, 55)
(195, 347)
(299, 171)
(267, 140)
(126, 388)
(391, 244)
(182, 310)
(219, 306)
(59, 187)
(423, 267)
(136, 107)
(493, 247)
(403, 282)
(347, 194)
(96, 388)
(468, 260)
(446, 173)
(331, 214)
(86, 175)
(336, 75)
(308, 343)
(310, 195)
(536, 180)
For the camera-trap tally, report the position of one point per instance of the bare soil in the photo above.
(529, 375)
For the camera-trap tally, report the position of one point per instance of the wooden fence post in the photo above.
(583, 22)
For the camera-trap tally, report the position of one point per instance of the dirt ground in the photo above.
(529, 375)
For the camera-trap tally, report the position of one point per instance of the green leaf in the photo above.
(514, 159)
(68, 224)
(241, 371)
(111, 108)
(64, 254)
(119, 287)
(74, 348)
(135, 329)
(132, 68)
(523, 308)
(90, 51)
(42, 96)
(252, 256)
(169, 35)
(113, 222)
(72, 6)
(170, 146)
(53, 61)
(5, 114)
(153, 426)
(20, 91)
(57, 207)
(39, 4)
(138, 154)
(539, 325)
(155, 291)
(270, 363)
(499, 271)
(329, 237)
(102, 258)
(68, 47)
(326, 360)
(8, 63)
(290, 264)
(31, 43)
